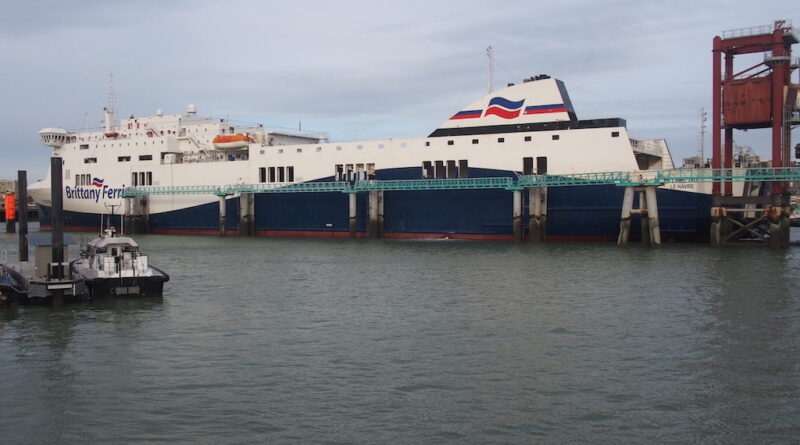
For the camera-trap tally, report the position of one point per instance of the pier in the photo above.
(643, 183)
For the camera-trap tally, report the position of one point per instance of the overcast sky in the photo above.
(358, 69)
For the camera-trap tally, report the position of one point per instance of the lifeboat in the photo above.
(112, 134)
(232, 141)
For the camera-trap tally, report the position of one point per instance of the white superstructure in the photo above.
(530, 121)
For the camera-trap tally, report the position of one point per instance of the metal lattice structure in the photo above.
(621, 179)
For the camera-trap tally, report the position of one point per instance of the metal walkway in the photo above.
(621, 179)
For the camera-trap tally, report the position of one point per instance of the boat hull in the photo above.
(126, 287)
(573, 213)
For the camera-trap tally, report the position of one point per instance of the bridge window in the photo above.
(463, 169)
(441, 173)
(527, 166)
(427, 170)
(541, 165)
(452, 171)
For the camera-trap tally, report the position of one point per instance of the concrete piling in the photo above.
(648, 210)
(246, 214)
(625, 218)
(222, 215)
(353, 212)
(516, 216)
(654, 239)
(537, 214)
(374, 223)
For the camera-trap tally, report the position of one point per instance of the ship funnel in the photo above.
(191, 110)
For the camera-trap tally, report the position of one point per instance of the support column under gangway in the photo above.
(353, 214)
(516, 217)
(222, 210)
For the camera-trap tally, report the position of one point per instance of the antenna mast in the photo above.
(490, 55)
(703, 125)
(109, 110)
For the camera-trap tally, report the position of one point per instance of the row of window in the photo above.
(86, 146)
(539, 168)
(445, 169)
(141, 178)
(81, 180)
(354, 172)
(276, 174)
(119, 159)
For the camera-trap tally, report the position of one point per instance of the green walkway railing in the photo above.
(621, 179)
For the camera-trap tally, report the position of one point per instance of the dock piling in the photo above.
(374, 224)
(517, 215)
(353, 211)
(537, 214)
(22, 202)
(246, 211)
(654, 232)
(57, 199)
(625, 218)
(222, 215)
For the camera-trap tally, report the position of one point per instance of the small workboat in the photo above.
(112, 265)
(12, 289)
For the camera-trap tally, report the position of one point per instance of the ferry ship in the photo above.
(526, 128)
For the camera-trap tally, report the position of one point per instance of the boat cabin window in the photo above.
(556, 137)
(615, 134)
(501, 140)
(281, 175)
(338, 172)
(290, 174)
(272, 174)
(527, 138)
(262, 174)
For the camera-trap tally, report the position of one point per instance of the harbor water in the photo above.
(267, 340)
